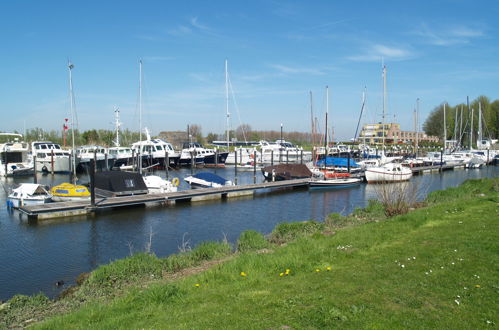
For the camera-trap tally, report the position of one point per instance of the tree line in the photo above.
(459, 118)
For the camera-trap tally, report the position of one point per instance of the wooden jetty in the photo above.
(65, 209)
(433, 168)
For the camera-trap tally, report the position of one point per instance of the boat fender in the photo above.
(45, 169)
(175, 182)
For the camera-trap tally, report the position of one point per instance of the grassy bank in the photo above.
(434, 267)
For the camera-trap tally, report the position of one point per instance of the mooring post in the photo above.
(235, 167)
(287, 156)
(254, 166)
(216, 157)
(348, 162)
(301, 156)
(192, 162)
(52, 161)
(106, 157)
(441, 158)
(487, 156)
(167, 164)
(133, 159)
(34, 170)
(241, 156)
(271, 157)
(92, 179)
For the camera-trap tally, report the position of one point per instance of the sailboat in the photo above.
(71, 191)
(388, 172)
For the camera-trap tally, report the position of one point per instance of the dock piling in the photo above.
(34, 170)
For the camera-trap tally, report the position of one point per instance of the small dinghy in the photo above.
(207, 180)
(28, 194)
(334, 183)
(157, 185)
(66, 192)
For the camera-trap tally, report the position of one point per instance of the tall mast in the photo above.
(140, 100)
(455, 126)
(417, 125)
(480, 133)
(384, 104)
(227, 114)
(117, 125)
(445, 130)
(471, 130)
(312, 118)
(325, 130)
(72, 102)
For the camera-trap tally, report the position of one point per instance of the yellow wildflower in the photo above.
(281, 274)
(328, 268)
(243, 274)
(197, 285)
(317, 270)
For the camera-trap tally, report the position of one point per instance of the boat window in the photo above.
(57, 146)
(41, 155)
(159, 148)
(81, 190)
(62, 191)
(129, 183)
(43, 146)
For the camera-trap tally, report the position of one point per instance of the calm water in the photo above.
(34, 255)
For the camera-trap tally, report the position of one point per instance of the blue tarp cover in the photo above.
(210, 177)
(336, 161)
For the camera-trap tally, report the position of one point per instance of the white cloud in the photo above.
(448, 36)
(378, 52)
(283, 69)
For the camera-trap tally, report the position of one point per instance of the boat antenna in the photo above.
(325, 125)
(384, 105)
(72, 106)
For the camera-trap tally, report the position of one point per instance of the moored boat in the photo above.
(391, 172)
(28, 194)
(157, 185)
(207, 180)
(334, 183)
(66, 192)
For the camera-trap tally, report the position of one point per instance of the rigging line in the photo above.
(361, 110)
(237, 108)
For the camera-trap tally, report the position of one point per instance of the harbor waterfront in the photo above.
(39, 254)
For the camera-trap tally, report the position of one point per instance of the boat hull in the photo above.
(378, 176)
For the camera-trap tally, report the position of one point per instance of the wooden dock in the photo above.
(433, 168)
(65, 209)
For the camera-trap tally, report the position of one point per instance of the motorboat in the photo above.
(282, 151)
(14, 157)
(88, 152)
(243, 156)
(207, 180)
(195, 152)
(391, 172)
(50, 157)
(157, 185)
(338, 164)
(28, 194)
(66, 192)
(119, 184)
(334, 183)
(153, 152)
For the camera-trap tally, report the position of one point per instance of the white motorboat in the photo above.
(50, 157)
(207, 180)
(391, 172)
(14, 157)
(28, 194)
(334, 183)
(154, 151)
(157, 185)
(282, 151)
(85, 153)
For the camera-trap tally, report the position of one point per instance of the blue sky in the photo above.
(278, 51)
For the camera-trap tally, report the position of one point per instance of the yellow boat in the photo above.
(69, 192)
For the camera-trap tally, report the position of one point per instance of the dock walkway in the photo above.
(63, 209)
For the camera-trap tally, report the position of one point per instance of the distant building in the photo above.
(391, 133)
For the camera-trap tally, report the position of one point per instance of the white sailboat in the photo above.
(388, 172)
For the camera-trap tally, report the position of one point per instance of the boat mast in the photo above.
(227, 114)
(325, 130)
(140, 100)
(480, 134)
(361, 111)
(417, 125)
(312, 117)
(384, 105)
(471, 130)
(445, 130)
(71, 102)
(117, 125)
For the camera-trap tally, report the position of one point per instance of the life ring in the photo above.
(175, 182)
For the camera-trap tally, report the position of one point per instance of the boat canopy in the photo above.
(337, 161)
(120, 182)
(30, 189)
(210, 177)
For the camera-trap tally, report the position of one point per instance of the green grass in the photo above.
(435, 267)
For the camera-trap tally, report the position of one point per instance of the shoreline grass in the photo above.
(434, 267)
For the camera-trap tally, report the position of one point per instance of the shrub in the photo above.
(285, 232)
(251, 240)
(210, 250)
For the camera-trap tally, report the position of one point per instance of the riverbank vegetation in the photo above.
(433, 267)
